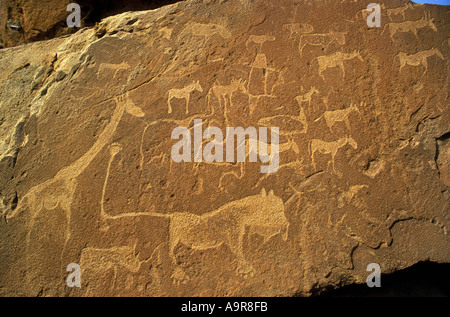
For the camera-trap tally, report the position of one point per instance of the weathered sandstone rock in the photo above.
(25, 21)
(87, 175)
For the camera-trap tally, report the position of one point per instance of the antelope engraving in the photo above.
(336, 60)
(183, 93)
(410, 26)
(418, 58)
(332, 148)
(332, 117)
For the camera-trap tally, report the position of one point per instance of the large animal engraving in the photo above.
(262, 214)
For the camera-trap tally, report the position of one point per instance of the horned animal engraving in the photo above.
(410, 26)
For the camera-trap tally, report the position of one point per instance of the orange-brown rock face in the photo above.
(89, 174)
(25, 21)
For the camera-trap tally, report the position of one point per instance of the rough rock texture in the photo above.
(87, 175)
(24, 21)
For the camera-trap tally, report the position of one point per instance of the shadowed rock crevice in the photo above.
(442, 157)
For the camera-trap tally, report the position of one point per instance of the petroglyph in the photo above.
(323, 40)
(410, 26)
(204, 30)
(231, 173)
(260, 62)
(399, 11)
(259, 39)
(289, 145)
(332, 148)
(278, 121)
(115, 67)
(332, 117)
(122, 260)
(224, 95)
(365, 13)
(418, 58)
(59, 191)
(336, 60)
(298, 28)
(183, 93)
(346, 197)
(123, 256)
(307, 97)
(166, 32)
(262, 214)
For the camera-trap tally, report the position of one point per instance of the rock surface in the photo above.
(25, 21)
(87, 175)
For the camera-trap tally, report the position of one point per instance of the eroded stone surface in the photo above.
(87, 175)
(25, 21)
